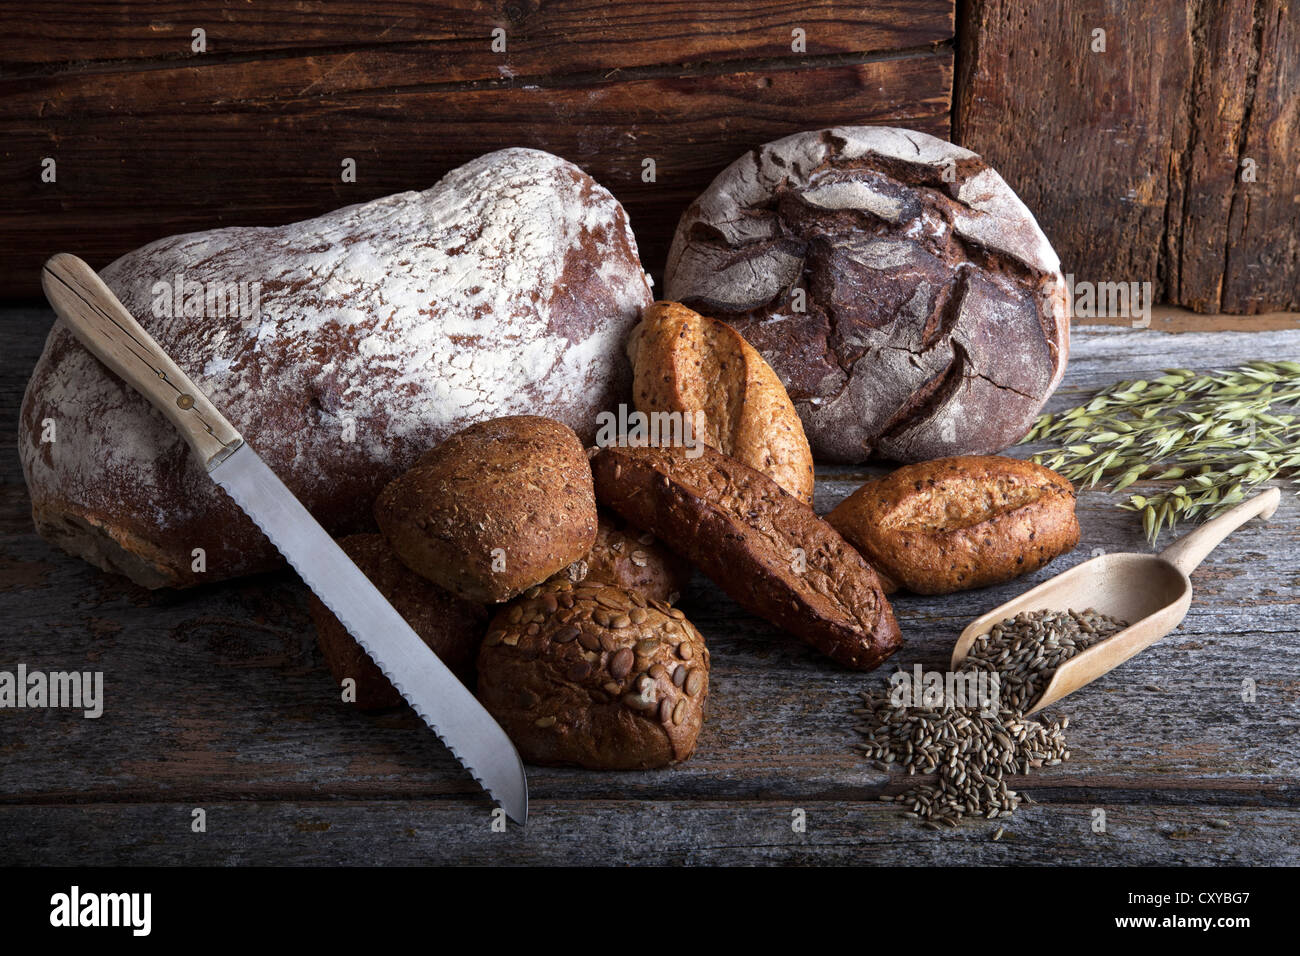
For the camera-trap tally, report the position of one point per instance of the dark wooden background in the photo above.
(1130, 157)
(1133, 158)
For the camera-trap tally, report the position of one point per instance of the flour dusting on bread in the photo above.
(379, 330)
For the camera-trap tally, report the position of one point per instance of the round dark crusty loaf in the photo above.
(934, 317)
(496, 508)
(452, 628)
(595, 676)
(379, 330)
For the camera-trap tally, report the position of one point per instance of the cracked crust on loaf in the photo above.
(903, 293)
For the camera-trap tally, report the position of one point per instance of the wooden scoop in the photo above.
(1153, 591)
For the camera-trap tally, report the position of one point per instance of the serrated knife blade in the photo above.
(104, 326)
(442, 701)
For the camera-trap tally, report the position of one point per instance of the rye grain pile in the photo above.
(973, 749)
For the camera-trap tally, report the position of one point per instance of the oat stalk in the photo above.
(1218, 433)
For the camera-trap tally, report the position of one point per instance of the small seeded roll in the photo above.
(495, 509)
(632, 559)
(596, 677)
(451, 627)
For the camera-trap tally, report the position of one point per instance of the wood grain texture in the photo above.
(1263, 255)
(636, 832)
(548, 38)
(218, 698)
(1168, 318)
(1134, 158)
(151, 140)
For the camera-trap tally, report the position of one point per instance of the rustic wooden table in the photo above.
(218, 699)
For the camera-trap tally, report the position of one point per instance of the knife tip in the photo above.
(515, 802)
(518, 812)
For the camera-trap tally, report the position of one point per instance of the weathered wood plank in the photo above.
(223, 693)
(638, 832)
(454, 36)
(1168, 318)
(220, 695)
(1135, 157)
(252, 159)
(1263, 252)
(1205, 166)
(1083, 137)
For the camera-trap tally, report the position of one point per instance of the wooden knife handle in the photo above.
(103, 325)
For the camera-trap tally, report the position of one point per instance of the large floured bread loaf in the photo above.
(902, 292)
(363, 338)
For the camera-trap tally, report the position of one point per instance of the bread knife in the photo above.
(104, 326)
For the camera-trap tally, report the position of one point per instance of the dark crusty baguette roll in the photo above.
(493, 510)
(964, 522)
(764, 547)
(376, 332)
(900, 289)
(452, 628)
(595, 676)
(629, 558)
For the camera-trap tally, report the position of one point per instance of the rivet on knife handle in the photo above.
(103, 325)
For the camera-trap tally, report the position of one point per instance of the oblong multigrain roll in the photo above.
(767, 549)
(969, 521)
(900, 289)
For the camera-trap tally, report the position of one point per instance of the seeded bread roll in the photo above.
(596, 677)
(900, 289)
(628, 558)
(963, 522)
(451, 627)
(764, 547)
(493, 510)
(684, 362)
